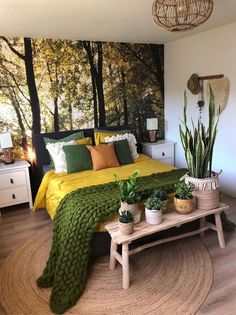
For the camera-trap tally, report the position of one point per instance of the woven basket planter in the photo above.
(206, 193)
(133, 208)
(126, 228)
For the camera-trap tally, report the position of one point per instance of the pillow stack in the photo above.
(76, 153)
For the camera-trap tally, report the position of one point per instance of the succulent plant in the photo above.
(126, 217)
(198, 143)
(128, 188)
(161, 194)
(184, 190)
(154, 203)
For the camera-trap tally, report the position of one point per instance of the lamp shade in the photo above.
(5, 140)
(152, 123)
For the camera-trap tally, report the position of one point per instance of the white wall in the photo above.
(207, 53)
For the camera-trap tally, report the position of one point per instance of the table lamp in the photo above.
(6, 146)
(152, 127)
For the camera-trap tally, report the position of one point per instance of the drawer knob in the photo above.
(12, 181)
(163, 153)
(13, 196)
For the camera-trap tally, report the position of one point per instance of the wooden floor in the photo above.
(17, 224)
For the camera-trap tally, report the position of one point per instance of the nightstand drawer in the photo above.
(162, 153)
(12, 179)
(13, 196)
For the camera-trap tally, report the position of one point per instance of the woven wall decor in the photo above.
(181, 15)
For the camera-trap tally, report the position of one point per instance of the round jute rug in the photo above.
(173, 278)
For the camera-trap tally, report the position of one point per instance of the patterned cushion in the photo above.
(131, 140)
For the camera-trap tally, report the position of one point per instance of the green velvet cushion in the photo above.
(123, 152)
(74, 136)
(78, 158)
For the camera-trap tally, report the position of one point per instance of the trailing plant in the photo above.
(126, 217)
(154, 203)
(184, 190)
(161, 194)
(128, 188)
(198, 143)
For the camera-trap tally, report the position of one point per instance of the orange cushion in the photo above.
(103, 156)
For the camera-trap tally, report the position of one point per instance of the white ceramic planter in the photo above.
(153, 216)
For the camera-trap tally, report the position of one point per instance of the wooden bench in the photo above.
(171, 219)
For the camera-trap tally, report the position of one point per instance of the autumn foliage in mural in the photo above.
(51, 85)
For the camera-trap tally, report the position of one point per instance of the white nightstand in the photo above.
(15, 184)
(163, 150)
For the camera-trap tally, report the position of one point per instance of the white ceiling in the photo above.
(104, 20)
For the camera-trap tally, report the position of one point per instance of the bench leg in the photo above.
(220, 232)
(113, 249)
(202, 223)
(125, 265)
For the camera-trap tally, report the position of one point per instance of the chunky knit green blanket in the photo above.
(77, 218)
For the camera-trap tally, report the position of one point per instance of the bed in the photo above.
(51, 187)
(80, 203)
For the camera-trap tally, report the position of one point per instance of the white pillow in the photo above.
(58, 155)
(131, 141)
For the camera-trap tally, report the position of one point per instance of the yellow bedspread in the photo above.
(55, 186)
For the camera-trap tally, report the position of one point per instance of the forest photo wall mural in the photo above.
(52, 85)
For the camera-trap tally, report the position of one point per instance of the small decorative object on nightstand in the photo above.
(15, 184)
(163, 150)
(152, 126)
(6, 145)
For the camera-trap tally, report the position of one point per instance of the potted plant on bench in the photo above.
(183, 200)
(161, 194)
(153, 210)
(126, 223)
(198, 144)
(129, 196)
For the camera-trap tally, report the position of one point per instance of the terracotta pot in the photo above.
(206, 192)
(126, 228)
(184, 206)
(133, 208)
(153, 216)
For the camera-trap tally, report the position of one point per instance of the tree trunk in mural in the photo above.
(99, 81)
(15, 103)
(56, 114)
(30, 78)
(156, 53)
(24, 143)
(55, 99)
(34, 100)
(124, 98)
(95, 103)
(88, 49)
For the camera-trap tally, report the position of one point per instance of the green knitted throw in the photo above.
(77, 218)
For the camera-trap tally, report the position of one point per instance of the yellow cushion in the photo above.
(87, 140)
(103, 156)
(99, 136)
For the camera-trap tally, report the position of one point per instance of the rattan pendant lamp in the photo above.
(181, 15)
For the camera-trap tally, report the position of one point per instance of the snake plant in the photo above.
(198, 142)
